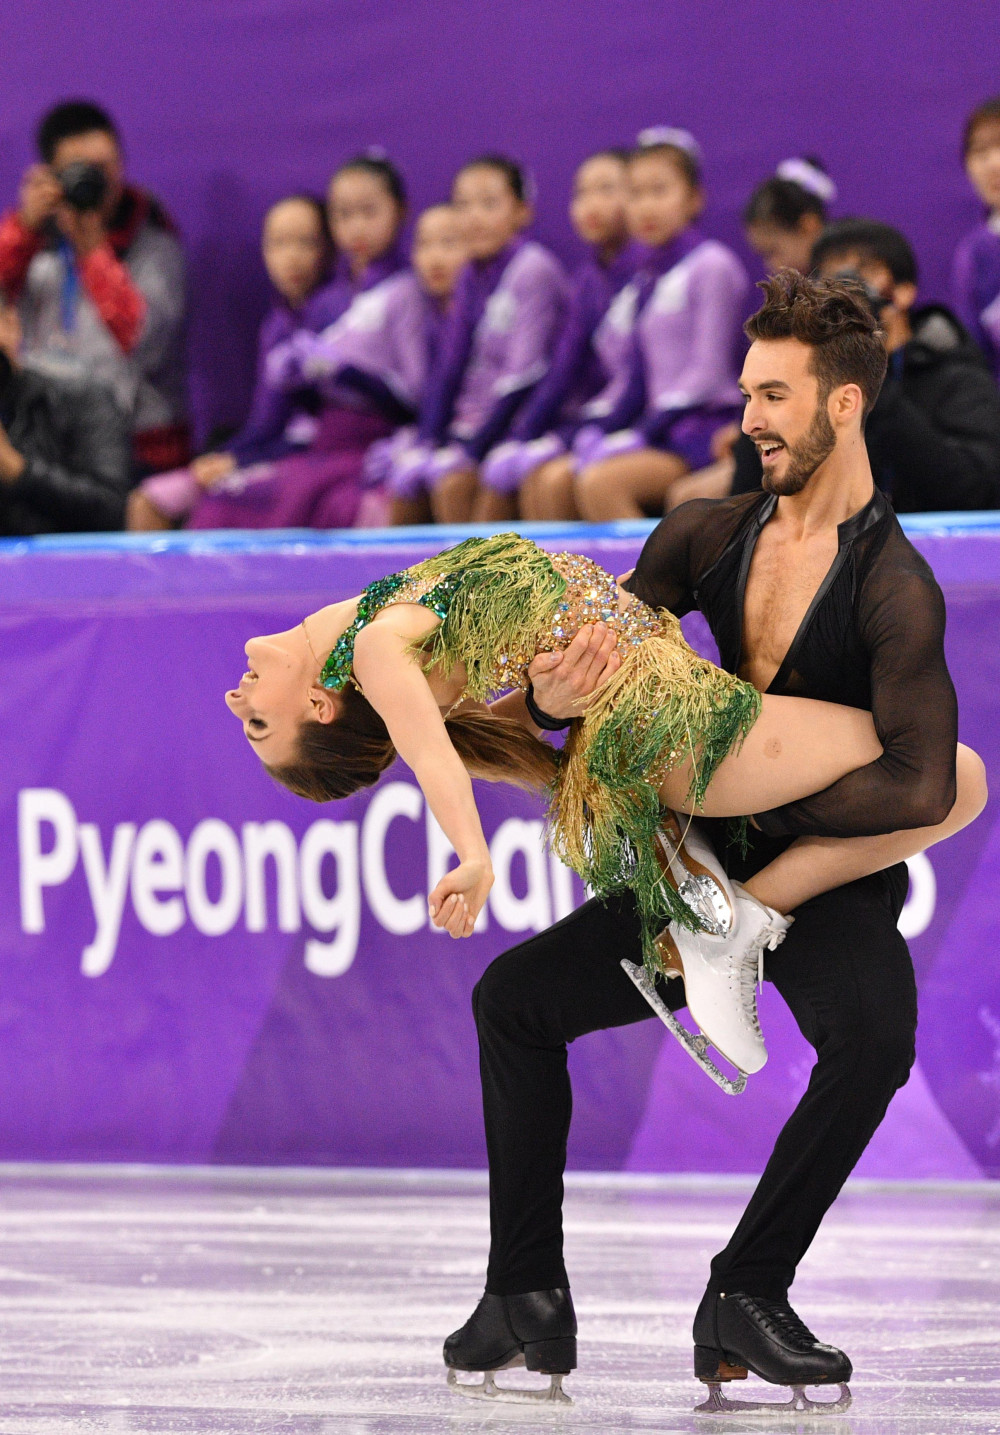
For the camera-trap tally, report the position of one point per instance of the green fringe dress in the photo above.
(501, 601)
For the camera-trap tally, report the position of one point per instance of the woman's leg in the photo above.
(628, 486)
(547, 492)
(493, 507)
(142, 516)
(453, 496)
(715, 481)
(817, 864)
(407, 511)
(796, 747)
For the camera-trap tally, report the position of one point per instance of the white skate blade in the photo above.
(696, 1046)
(508, 1395)
(719, 1404)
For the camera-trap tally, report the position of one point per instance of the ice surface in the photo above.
(265, 1301)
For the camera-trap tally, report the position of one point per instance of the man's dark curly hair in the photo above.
(835, 318)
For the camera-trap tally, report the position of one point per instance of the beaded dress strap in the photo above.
(337, 671)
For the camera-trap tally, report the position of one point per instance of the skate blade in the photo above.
(696, 1046)
(719, 1404)
(507, 1395)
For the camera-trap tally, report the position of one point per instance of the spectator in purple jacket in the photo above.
(532, 467)
(681, 385)
(976, 271)
(320, 487)
(496, 347)
(296, 250)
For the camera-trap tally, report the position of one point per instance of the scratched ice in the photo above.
(262, 1301)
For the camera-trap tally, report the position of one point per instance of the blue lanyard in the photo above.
(69, 298)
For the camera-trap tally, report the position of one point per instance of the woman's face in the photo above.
(364, 217)
(982, 163)
(439, 250)
(597, 209)
(277, 693)
(661, 200)
(782, 248)
(488, 211)
(294, 249)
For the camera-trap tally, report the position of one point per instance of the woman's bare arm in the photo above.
(393, 682)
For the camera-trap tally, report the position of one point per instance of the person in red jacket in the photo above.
(97, 272)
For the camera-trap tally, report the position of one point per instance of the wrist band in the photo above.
(540, 719)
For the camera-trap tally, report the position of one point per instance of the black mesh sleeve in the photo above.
(902, 620)
(663, 575)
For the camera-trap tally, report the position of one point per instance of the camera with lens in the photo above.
(84, 186)
(877, 301)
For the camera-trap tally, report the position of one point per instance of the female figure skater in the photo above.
(782, 220)
(976, 268)
(682, 380)
(786, 214)
(406, 667)
(508, 306)
(384, 346)
(321, 487)
(592, 349)
(296, 249)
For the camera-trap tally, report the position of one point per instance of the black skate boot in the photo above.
(537, 1330)
(735, 1332)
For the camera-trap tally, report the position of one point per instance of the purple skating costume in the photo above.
(975, 282)
(495, 348)
(321, 487)
(681, 382)
(590, 352)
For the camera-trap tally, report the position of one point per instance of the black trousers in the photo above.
(844, 971)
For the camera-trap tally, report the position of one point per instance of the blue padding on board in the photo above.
(292, 567)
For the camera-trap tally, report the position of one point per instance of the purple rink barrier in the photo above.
(197, 966)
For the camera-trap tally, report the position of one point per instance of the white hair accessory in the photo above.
(669, 134)
(808, 177)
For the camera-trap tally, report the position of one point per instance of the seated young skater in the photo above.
(591, 350)
(296, 250)
(385, 344)
(782, 220)
(682, 379)
(496, 347)
(976, 268)
(407, 667)
(321, 487)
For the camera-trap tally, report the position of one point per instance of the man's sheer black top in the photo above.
(873, 638)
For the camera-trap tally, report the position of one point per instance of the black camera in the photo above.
(84, 186)
(877, 301)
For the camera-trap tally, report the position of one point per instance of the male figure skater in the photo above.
(810, 588)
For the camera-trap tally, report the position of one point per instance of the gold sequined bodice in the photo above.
(547, 622)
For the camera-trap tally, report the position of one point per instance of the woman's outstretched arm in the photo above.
(393, 682)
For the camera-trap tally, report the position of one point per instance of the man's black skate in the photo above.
(537, 1330)
(734, 1333)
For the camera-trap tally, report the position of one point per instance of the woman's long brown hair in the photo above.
(337, 759)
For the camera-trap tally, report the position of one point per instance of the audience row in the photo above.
(471, 378)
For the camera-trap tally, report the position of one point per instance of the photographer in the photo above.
(98, 275)
(933, 437)
(64, 448)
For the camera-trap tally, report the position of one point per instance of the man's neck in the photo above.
(840, 487)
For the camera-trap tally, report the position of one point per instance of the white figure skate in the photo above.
(694, 871)
(720, 975)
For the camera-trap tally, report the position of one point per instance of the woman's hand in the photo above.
(458, 898)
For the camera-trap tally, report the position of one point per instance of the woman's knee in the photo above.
(594, 485)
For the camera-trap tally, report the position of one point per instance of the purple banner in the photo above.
(198, 966)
